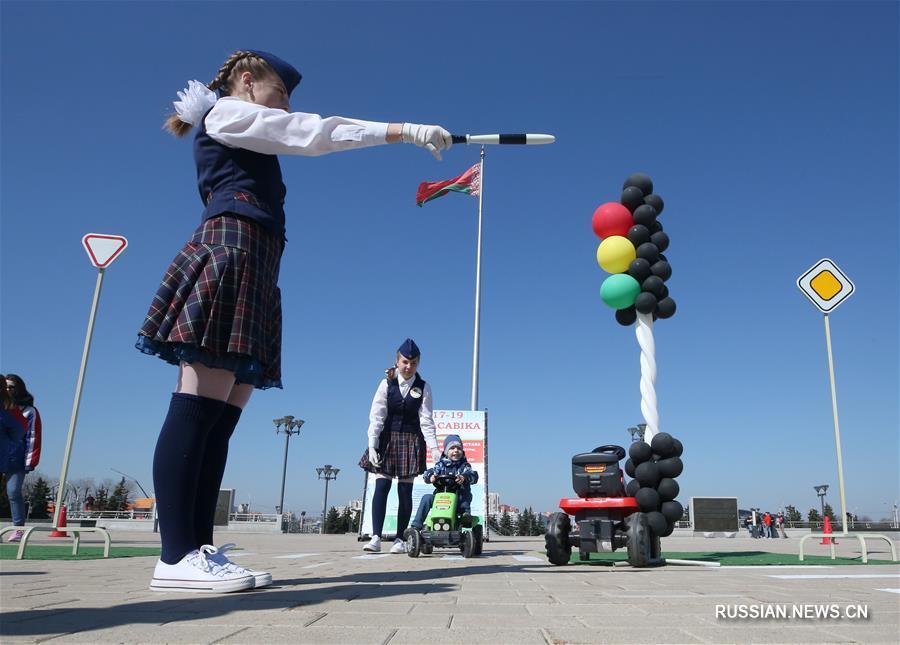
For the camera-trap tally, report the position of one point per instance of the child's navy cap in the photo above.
(286, 72)
(409, 349)
(452, 440)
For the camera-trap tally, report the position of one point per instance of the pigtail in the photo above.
(239, 61)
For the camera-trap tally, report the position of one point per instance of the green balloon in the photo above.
(619, 291)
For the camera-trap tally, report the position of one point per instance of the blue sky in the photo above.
(770, 129)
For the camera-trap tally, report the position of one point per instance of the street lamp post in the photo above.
(821, 489)
(288, 425)
(637, 432)
(327, 473)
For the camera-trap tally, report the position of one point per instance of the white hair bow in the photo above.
(196, 100)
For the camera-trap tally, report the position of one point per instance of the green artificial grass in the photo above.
(64, 552)
(730, 558)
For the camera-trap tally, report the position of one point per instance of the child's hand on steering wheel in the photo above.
(460, 479)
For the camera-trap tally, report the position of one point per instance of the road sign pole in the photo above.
(78, 387)
(837, 427)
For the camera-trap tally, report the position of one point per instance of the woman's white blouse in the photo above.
(378, 412)
(236, 123)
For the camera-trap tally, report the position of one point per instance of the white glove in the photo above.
(374, 459)
(433, 137)
(435, 455)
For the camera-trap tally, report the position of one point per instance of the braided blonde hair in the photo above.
(236, 64)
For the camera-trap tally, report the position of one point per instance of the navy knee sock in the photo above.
(404, 506)
(379, 504)
(176, 470)
(211, 471)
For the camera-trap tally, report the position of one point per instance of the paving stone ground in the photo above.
(324, 593)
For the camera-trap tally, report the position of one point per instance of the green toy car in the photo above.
(443, 525)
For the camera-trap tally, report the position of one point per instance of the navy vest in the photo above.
(403, 413)
(233, 180)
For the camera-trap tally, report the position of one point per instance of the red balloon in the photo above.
(611, 218)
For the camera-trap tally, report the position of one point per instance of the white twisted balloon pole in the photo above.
(644, 331)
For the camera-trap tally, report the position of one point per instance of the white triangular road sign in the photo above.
(103, 249)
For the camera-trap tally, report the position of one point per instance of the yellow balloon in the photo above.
(615, 253)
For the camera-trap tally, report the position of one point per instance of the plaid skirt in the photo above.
(402, 455)
(219, 303)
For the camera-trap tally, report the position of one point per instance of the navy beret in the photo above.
(409, 349)
(286, 72)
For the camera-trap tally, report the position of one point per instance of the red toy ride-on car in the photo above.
(605, 519)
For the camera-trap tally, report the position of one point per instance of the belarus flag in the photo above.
(469, 183)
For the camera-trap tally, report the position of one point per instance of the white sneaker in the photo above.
(217, 555)
(374, 545)
(399, 546)
(196, 572)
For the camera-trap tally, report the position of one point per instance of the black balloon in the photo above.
(660, 239)
(648, 474)
(657, 522)
(632, 487)
(638, 234)
(667, 488)
(645, 303)
(670, 467)
(647, 499)
(649, 252)
(673, 510)
(679, 447)
(642, 181)
(655, 227)
(629, 468)
(655, 285)
(639, 269)
(670, 528)
(655, 201)
(644, 215)
(661, 256)
(661, 268)
(662, 444)
(626, 317)
(632, 197)
(666, 307)
(639, 452)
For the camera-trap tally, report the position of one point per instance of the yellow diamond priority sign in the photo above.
(825, 285)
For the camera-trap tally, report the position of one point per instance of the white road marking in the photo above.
(778, 566)
(371, 556)
(241, 554)
(313, 566)
(453, 557)
(527, 558)
(834, 576)
(889, 590)
(291, 556)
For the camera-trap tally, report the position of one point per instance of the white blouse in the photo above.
(378, 412)
(236, 123)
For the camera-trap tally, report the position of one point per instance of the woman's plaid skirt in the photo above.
(402, 455)
(219, 303)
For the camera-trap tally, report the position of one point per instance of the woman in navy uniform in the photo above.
(217, 312)
(401, 429)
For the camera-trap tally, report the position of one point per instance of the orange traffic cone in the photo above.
(826, 530)
(62, 524)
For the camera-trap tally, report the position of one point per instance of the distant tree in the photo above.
(101, 498)
(344, 523)
(493, 524)
(354, 522)
(506, 525)
(332, 520)
(38, 498)
(537, 524)
(523, 524)
(791, 514)
(813, 515)
(118, 500)
(829, 513)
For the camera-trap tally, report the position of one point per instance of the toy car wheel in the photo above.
(640, 540)
(413, 543)
(467, 547)
(478, 532)
(559, 551)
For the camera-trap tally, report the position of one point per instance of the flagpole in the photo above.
(474, 404)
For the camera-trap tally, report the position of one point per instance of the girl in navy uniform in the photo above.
(217, 312)
(400, 428)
